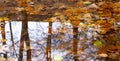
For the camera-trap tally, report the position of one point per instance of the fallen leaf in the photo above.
(97, 43)
(27, 47)
(3, 40)
(103, 55)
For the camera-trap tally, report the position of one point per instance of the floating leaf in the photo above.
(3, 40)
(27, 48)
(93, 6)
(58, 58)
(19, 9)
(98, 43)
(5, 18)
(29, 8)
(103, 55)
(1, 19)
(87, 2)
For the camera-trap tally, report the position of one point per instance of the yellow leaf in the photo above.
(19, 9)
(83, 25)
(1, 19)
(5, 18)
(50, 20)
(32, 12)
(29, 8)
(102, 31)
(91, 25)
(3, 40)
(27, 48)
(103, 55)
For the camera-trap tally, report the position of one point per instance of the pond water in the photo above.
(61, 44)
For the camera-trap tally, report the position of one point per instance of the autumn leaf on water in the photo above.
(87, 2)
(3, 40)
(1, 19)
(32, 12)
(98, 43)
(4, 18)
(27, 48)
(29, 8)
(19, 9)
(103, 55)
